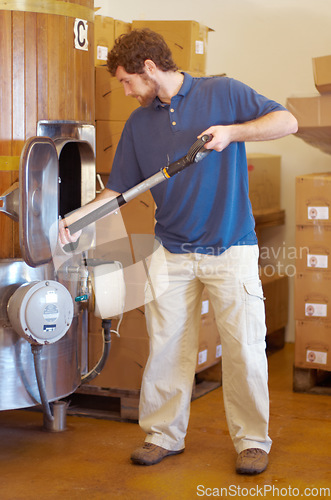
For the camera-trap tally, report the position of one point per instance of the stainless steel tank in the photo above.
(42, 196)
(61, 361)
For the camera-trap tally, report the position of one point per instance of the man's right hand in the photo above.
(65, 237)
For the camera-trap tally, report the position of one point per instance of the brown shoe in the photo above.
(150, 454)
(252, 461)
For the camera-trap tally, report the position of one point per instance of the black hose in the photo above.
(106, 325)
(36, 351)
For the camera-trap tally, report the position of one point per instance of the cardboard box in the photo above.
(138, 215)
(312, 296)
(128, 356)
(103, 38)
(111, 103)
(322, 73)
(313, 248)
(314, 119)
(106, 30)
(313, 199)
(313, 344)
(124, 369)
(125, 365)
(133, 324)
(187, 41)
(311, 111)
(121, 27)
(264, 181)
(275, 290)
(208, 337)
(210, 349)
(108, 134)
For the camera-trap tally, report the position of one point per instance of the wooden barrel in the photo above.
(46, 73)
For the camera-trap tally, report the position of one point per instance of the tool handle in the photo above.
(195, 154)
(176, 167)
(98, 213)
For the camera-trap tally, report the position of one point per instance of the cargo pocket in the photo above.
(255, 312)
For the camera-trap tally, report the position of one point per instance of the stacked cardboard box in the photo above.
(264, 175)
(313, 278)
(314, 119)
(112, 109)
(210, 348)
(322, 73)
(106, 30)
(187, 40)
(313, 113)
(275, 290)
(129, 352)
(264, 181)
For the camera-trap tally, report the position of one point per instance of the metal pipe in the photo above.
(54, 421)
(36, 351)
(59, 422)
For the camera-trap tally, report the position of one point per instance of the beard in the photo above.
(152, 90)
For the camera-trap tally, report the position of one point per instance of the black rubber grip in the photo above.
(196, 153)
(177, 166)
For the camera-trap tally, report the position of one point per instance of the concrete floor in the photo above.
(90, 460)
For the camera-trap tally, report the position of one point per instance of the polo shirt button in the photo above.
(174, 123)
(172, 110)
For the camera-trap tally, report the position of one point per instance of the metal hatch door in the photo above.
(39, 200)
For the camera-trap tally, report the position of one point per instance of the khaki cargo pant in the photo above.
(173, 319)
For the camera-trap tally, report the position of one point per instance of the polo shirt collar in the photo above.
(186, 85)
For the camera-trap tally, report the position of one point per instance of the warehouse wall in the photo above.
(269, 45)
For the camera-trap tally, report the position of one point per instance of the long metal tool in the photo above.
(195, 154)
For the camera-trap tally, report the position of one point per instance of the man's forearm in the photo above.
(271, 126)
(100, 199)
(274, 125)
(64, 233)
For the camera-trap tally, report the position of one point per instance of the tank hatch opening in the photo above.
(76, 173)
(70, 166)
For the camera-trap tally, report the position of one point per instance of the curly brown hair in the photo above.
(132, 49)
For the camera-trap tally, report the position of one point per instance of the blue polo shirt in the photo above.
(205, 208)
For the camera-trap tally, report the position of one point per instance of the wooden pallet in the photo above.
(122, 405)
(105, 403)
(311, 381)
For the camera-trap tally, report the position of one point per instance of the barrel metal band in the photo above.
(9, 162)
(58, 8)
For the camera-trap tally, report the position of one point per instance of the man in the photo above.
(205, 223)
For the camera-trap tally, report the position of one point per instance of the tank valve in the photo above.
(82, 298)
